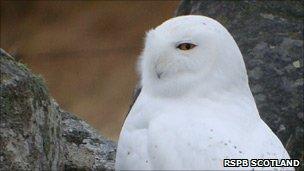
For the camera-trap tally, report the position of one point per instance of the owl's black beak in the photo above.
(159, 74)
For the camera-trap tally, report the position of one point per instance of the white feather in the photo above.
(200, 110)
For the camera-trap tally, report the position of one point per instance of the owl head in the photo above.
(190, 54)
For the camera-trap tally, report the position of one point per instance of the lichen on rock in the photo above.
(37, 135)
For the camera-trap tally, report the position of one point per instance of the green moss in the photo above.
(223, 20)
(291, 10)
(22, 66)
(22, 91)
(39, 90)
(46, 145)
(4, 57)
(36, 84)
(4, 77)
(248, 9)
(58, 132)
(294, 35)
(6, 103)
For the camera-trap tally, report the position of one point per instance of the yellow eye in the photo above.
(186, 46)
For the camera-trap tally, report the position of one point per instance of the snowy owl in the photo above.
(195, 108)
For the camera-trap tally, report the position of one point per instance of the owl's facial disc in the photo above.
(187, 52)
(180, 46)
(174, 58)
(178, 52)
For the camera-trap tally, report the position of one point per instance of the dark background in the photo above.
(86, 51)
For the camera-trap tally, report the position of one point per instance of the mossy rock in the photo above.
(36, 134)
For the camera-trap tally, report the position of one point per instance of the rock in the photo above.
(84, 148)
(270, 36)
(37, 135)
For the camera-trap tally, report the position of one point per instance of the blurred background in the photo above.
(86, 51)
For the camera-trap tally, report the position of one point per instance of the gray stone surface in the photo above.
(84, 148)
(37, 135)
(270, 36)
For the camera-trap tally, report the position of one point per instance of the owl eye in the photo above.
(186, 46)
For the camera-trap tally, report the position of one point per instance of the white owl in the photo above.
(195, 107)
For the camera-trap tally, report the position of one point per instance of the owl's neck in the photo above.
(197, 86)
(213, 94)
